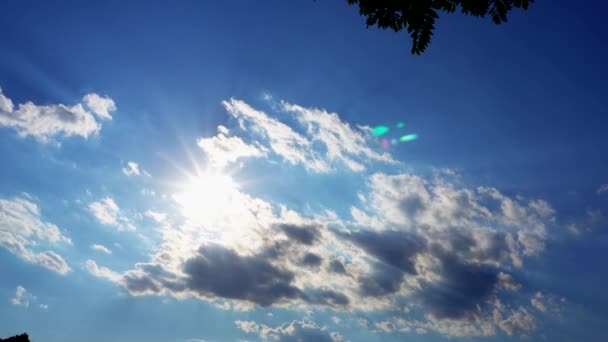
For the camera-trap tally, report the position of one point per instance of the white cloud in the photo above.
(44, 306)
(45, 122)
(22, 297)
(518, 322)
(283, 140)
(131, 169)
(101, 106)
(101, 248)
(328, 142)
(156, 216)
(102, 272)
(23, 233)
(222, 150)
(293, 331)
(602, 189)
(341, 141)
(107, 212)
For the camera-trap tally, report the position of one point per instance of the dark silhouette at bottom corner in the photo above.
(18, 338)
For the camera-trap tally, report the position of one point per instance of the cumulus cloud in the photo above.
(102, 106)
(101, 248)
(107, 212)
(46, 122)
(448, 250)
(250, 278)
(23, 233)
(300, 331)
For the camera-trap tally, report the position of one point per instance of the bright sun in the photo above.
(207, 196)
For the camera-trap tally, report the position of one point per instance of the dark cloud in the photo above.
(392, 248)
(394, 254)
(412, 205)
(139, 282)
(218, 271)
(337, 266)
(384, 280)
(306, 234)
(462, 288)
(311, 260)
(327, 297)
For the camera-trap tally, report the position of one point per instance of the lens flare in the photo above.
(408, 137)
(380, 130)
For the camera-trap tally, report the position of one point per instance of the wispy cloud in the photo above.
(293, 331)
(133, 169)
(156, 216)
(101, 248)
(107, 212)
(22, 232)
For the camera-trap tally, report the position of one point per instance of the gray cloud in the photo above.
(218, 271)
(461, 289)
(306, 234)
(337, 266)
(312, 260)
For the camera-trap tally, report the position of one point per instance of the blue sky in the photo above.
(207, 172)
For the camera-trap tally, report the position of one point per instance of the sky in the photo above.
(208, 171)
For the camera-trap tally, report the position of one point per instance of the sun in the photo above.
(207, 197)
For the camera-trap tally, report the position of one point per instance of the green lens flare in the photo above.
(408, 137)
(380, 130)
(400, 125)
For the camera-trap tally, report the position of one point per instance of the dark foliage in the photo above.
(418, 16)
(18, 338)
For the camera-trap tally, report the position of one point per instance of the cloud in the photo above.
(107, 212)
(518, 322)
(305, 235)
(436, 254)
(23, 233)
(250, 278)
(341, 141)
(156, 216)
(328, 142)
(102, 272)
(131, 169)
(101, 106)
(101, 248)
(295, 331)
(602, 189)
(222, 150)
(22, 297)
(46, 122)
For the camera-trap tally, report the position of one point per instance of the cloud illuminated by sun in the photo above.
(217, 211)
(207, 196)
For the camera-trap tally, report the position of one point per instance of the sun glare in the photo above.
(207, 196)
